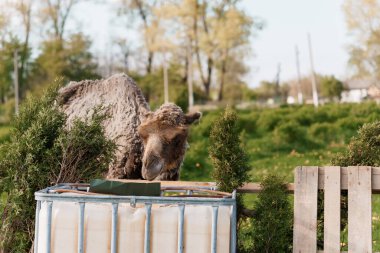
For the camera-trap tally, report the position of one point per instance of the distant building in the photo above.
(357, 90)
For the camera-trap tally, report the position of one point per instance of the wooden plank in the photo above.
(332, 210)
(359, 209)
(375, 180)
(305, 210)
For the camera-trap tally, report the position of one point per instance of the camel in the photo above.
(150, 144)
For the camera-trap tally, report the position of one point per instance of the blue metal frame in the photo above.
(50, 196)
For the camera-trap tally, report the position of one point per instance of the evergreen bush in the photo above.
(363, 149)
(349, 126)
(269, 119)
(290, 135)
(43, 152)
(272, 224)
(230, 162)
(228, 157)
(325, 132)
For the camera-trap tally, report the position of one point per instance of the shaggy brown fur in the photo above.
(151, 145)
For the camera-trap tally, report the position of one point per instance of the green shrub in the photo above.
(338, 111)
(227, 155)
(364, 109)
(321, 115)
(324, 132)
(289, 132)
(364, 149)
(268, 120)
(248, 123)
(349, 126)
(245, 234)
(43, 152)
(289, 136)
(229, 159)
(303, 116)
(273, 218)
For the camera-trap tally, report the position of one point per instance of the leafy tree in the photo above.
(331, 87)
(23, 9)
(212, 31)
(54, 14)
(232, 31)
(41, 152)
(7, 49)
(363, 23)
(267, 90)
(71, 60)
(144, 10)
(236, 90)
(153, 90)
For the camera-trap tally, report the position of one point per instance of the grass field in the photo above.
(278, 140)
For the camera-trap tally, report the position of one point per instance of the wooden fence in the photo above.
(360, 181)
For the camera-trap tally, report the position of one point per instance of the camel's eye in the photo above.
(177, 139)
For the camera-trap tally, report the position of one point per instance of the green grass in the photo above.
(319, 135)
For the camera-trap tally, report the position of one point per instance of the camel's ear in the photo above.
(145, 115)
(191, 117)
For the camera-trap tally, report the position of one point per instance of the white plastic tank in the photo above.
(131, 228)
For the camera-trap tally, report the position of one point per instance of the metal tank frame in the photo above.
(49, 195)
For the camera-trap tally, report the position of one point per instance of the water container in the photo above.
(131, 223)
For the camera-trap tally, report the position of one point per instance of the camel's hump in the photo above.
(115, 87)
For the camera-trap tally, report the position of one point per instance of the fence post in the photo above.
(332, 209)
(359, 209)
(305, 209)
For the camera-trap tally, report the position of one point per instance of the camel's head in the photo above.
(164, 134)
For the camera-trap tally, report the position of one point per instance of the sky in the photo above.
(286, 24)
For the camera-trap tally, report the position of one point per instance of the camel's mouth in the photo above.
(152, 169)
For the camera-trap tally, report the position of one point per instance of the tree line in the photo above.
(197, 43)
(200, 41)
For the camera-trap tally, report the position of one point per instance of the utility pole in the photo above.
(15, 79)
(277, 83)
(166, 85)
(313, 81)
(190, 77)
(299, 91)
